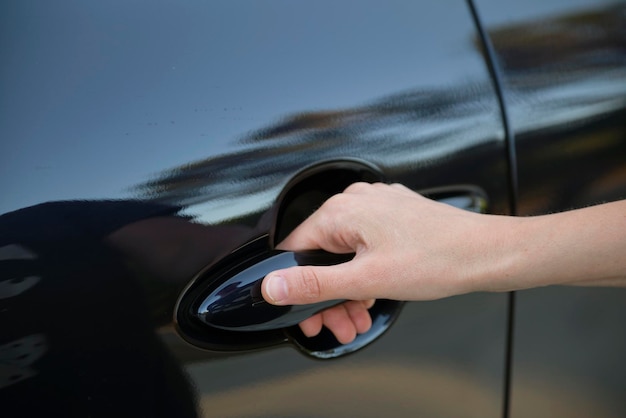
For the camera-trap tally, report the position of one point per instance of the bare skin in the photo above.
(412, 248)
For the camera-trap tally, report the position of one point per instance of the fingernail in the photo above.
(276, 288)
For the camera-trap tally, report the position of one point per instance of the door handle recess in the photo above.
(222, 309)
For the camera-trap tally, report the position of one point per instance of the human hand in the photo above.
(407, 248)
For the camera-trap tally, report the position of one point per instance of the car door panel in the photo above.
(149, 141)
(564, 83)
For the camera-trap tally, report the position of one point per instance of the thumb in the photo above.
(303, 285)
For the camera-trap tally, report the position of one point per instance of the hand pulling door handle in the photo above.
(223, 310)
(237, 304)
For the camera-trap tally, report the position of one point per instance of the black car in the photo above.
(154, 152)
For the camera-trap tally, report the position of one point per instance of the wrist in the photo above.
(503, 259)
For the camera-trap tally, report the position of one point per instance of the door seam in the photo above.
(512, 179)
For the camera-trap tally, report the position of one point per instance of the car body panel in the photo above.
(563, 71)
(143, 142)
(172, 130)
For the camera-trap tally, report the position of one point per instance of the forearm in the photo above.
(580, 247)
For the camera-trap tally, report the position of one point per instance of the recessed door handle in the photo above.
(222, 308)
(237, 304)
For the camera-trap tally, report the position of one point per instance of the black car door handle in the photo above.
(222, 308)
(237, 304)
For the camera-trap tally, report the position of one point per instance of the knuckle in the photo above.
(360, 187)
(336, 205)
(310, 284)
(334, 200)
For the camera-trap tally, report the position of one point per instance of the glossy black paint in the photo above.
(143, 142)
(76, 325)
(170, 135)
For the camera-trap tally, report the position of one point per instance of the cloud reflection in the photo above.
(420, 128)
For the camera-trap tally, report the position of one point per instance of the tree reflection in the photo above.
(561, 69)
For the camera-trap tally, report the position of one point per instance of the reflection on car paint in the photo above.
(107, 274)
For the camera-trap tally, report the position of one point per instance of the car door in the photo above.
(563, 72)
(145, 144)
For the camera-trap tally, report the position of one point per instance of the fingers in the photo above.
(345, 321)
(368, 303)
(358, 312)
(338, 320)
(331, 227)
(295, 286)
(310, 284)
(339, 226)
(326, 228)
(377, 188)
(312, 326)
